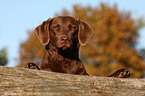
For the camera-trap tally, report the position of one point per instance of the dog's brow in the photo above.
(55, 25)
(62, 20)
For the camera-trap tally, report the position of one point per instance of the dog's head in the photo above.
(63, 32)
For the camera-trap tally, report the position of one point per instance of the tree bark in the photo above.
(23, 82)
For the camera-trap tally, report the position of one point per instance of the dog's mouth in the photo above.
(65, 46)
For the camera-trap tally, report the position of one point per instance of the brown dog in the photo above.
(62, 37)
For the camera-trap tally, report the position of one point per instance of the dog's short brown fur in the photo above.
(62, 37)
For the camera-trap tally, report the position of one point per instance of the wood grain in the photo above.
(24, 82)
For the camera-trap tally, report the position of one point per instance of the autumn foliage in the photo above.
(3, 57)
(111, 47)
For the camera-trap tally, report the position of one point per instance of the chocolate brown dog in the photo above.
(62, 37)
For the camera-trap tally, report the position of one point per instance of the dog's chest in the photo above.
(62, 64)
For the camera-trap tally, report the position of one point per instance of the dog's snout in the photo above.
(64, 39)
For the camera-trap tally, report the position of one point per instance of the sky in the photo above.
(17, 17)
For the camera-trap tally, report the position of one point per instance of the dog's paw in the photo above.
(32, 66)
(121, 73)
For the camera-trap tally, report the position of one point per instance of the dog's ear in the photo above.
(42, 31)
(85, 32)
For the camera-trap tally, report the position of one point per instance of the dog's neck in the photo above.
(68, 62)
(71, 54)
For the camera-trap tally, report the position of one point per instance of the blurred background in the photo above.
(118, 40)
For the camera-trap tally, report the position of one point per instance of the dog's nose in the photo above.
(64, 39)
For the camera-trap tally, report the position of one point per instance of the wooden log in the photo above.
(23, 82)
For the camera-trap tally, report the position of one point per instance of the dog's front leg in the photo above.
(32, 66)
(121, 73)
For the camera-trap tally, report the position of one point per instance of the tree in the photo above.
(31, 50)
(111, 47)
(113, 43)
(3, 57)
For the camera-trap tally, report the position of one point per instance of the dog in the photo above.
(62, 37)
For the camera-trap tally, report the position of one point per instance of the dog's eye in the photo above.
(55, 27)
(73, 28)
